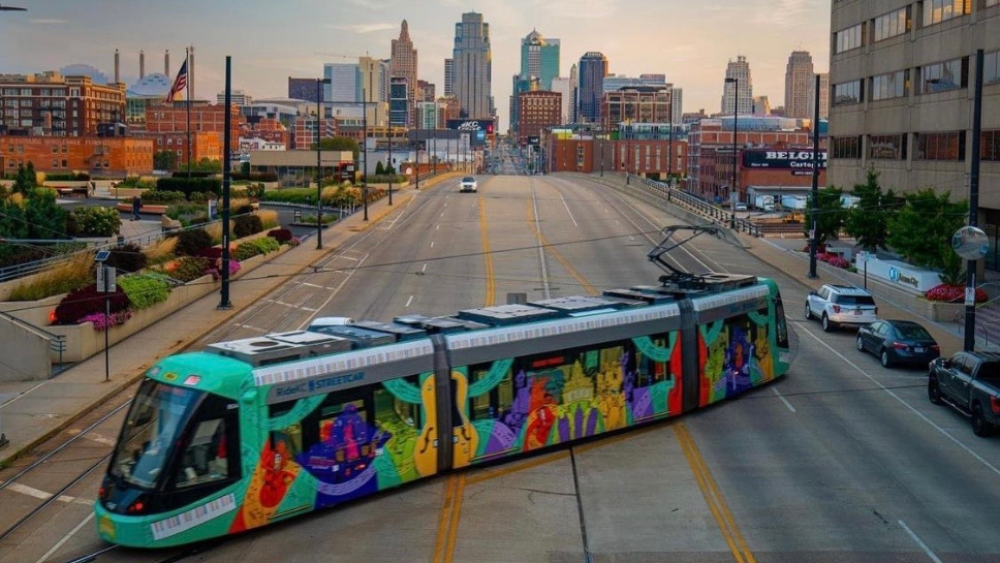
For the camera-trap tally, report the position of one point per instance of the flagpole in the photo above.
(187, 96)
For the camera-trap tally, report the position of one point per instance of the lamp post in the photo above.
(736, 114)
(319, 165)
(602, 153)
(670, 152)
(364, 143)
(815, 191)
(628, 148)
(970, 269)
(392, 169)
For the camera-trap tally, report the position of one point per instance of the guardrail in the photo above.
(665, 193)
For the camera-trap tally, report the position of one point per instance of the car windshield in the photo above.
(154, 422)
(855, 300)
(468, 179)
(913, 332)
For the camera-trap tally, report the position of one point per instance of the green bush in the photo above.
(127, 257)
(385, 178)
(245, 250)
(145, 290)
(93, 222)
(202, 197)
(146, 184)
(159, 196)
(266, 245)
(192, 242)
(246, 225)
(188, 187)
(291, 195)
(177, 210)
(67, 177)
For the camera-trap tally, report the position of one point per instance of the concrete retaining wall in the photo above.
(24, 354)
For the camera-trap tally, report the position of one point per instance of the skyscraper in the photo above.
(574, 89)
(473, 67)
(593, 69)
(540, 58)
(740, 70)
(449, 77)
(404, 65)
(676, 106)
(799, 81)
(343, 86)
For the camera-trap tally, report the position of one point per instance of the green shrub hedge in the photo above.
(246, 225)
(188, 187)
(145, 290)
(160, 196)
(93, 222)
(67, 177)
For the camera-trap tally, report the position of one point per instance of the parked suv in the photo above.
(838, 305)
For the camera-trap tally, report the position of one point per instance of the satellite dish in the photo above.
(970, 243)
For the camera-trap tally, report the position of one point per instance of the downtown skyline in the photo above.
(57, 33)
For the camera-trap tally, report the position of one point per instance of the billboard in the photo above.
(484, 125)
(794, 160)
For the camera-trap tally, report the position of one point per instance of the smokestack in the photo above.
(117, 68)
(191, 72)
(142, 65)
(166, 63)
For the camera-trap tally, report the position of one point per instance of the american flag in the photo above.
(179, 83)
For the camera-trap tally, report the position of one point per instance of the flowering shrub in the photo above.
(86, 301)
(281, 235)
(101, 323)
(833, 260)
(295, 241)
(952, 293)
(187, 268)
(145, 290)
(820, 249)
(216, 271)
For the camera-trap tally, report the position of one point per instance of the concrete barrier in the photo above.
(24, 353)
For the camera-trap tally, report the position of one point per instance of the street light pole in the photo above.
(815, 190)
(970, 268)
(319, 166)
(392, 169)
(736, 116)
(628, 149)
(364, 141)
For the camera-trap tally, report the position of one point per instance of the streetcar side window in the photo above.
(291, 435)
(780, 324)
(211, 446)
(395, 415)
(495, 403)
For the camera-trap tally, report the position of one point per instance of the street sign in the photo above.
(970, 296)
(107, 279)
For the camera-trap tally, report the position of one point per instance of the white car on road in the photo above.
(468, 185)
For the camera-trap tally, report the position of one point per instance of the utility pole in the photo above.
(815, 187)
(227, 165)
(970, 268)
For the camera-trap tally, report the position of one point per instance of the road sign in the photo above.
(107, 280)
(970, 296)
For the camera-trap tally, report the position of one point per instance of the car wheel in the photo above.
(827, 325)
(980, 427)
(886, 360)
(861, 344)
(934, 392)
(809, 314)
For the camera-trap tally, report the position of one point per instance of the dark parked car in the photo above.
(898, 342)
(970, 382)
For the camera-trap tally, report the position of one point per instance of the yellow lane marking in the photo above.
(713, 497)
(487, 257)
(445, 517)
(590, 289)
(453, 529)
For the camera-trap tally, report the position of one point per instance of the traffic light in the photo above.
(489, 129)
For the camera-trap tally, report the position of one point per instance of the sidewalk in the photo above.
(32, 412)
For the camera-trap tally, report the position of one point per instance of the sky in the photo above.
(690, 42)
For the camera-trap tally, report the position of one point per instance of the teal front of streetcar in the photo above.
(255, 431)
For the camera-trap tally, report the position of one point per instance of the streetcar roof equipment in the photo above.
(400, 331)
(501, 315)
(361, 337)
(280, 347)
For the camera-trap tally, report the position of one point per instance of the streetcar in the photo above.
(250, 432)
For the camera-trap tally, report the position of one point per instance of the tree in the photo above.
(46, 220)
(829, 217)
(339, 144)
(868, 221)
(26, 179)
(245, 169)
(921, 231)
(207, 165)
(165, 160)
(379, 169)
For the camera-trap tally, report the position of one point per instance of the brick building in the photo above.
(51, 104)
(303, 132)
(168, 124)
(645, 157)
(267, 129)
(537, 110)
(644, 104)
(100, 156)
(710, 166)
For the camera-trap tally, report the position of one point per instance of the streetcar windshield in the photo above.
(155, 420)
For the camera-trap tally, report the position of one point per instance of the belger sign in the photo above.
(781, 160)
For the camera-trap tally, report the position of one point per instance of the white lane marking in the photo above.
(65, 538)
(37, 493)
(424, 269)
(783, 399)
(290, 306)
(251, 327)
(312, 285)
(541, 249)
(22, 394)
(437, 228)
(922, 545)
(408, 301)
(99, 438)
(432, 244)
(568, 212)
(976, 456)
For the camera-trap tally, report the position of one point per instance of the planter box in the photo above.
(146, 208)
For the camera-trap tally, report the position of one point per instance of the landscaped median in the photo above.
(65, 303)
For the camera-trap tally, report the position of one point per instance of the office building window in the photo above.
(992, 3)
(848, 93)
(846, 147)
(941, 146)
(941, 77)
(890, 25)
(891, 85)
(887, 147)
(937, 11)
(850, 38)
(991, 67)
(990, 145)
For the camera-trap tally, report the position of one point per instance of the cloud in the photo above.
(48, 22)
(785, 13)
(362, 28)
(581, 9)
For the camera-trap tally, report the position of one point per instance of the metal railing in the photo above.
(57, 342)
(665, 194)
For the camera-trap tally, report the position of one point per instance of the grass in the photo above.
(161, 251)
(268, 217)
(61, 278)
